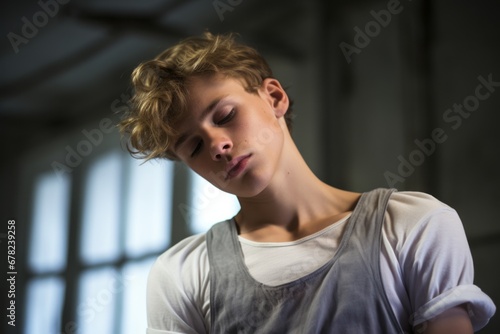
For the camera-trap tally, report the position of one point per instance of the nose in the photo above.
(220, 146)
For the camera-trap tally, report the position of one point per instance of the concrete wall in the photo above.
(397, 88)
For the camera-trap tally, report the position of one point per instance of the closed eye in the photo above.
(196, 149)
(226, 118)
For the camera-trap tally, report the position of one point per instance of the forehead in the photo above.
(204, 92)
(203, 89)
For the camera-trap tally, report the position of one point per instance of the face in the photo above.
(233, 138)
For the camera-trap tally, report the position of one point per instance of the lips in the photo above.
(236, 166)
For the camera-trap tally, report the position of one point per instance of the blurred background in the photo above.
(402, 94)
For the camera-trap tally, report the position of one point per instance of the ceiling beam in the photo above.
(119, 25)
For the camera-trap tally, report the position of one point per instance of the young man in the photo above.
(300, 256)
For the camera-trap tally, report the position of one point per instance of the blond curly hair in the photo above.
(160, 94)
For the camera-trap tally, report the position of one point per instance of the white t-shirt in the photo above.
(425, 262)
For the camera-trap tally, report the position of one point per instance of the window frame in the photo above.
(37, 162)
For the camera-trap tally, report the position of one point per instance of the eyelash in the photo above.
(196, 149)
(226, 118)
(223, 121)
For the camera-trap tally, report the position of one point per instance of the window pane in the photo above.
(134, 300)
(101, 210)
(50, 223)
(209, 205)
(98, 293)
(44, 305)
(149, 205)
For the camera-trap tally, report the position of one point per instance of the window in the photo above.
(95, 233)
(50, 223)
(101, 210)
(44, 305)
(125, 220)
(47, 251)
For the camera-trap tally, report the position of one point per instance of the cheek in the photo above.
(198, 167)
(267, 133)
(266, 136)
(260, 130)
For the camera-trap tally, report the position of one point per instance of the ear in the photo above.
(271, 91)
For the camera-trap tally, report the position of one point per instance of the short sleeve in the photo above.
(177, 285)
(438, 269)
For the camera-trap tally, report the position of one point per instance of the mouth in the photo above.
(236, 166)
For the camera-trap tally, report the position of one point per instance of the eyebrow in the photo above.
(204, 114)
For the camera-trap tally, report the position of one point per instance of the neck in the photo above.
(296, 203)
